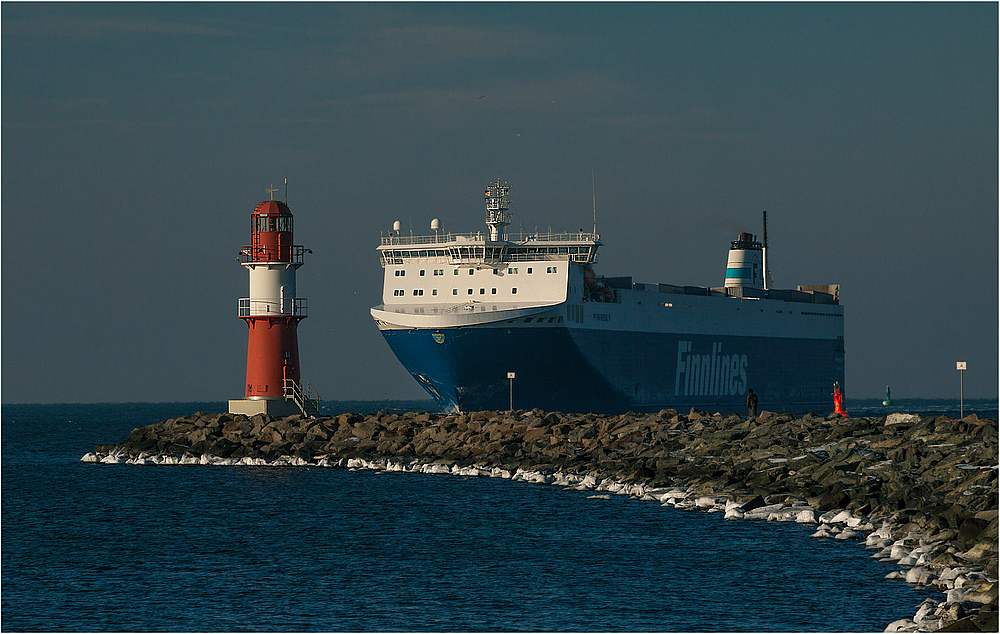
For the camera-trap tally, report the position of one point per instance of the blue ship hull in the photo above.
(611, 371)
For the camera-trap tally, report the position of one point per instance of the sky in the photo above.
(138, 138)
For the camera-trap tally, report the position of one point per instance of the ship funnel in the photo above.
(745, 266)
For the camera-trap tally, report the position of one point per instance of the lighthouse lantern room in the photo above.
(272, 314)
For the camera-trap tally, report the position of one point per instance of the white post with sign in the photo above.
(961, 366)
(510, 375)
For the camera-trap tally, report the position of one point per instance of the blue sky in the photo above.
(137, 139)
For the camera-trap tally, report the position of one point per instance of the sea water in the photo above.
(191, 548)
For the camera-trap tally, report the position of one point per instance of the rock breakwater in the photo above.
(920, 492)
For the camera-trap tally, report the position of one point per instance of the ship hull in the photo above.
(569, 369)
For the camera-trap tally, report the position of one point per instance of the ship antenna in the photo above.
(766, 285)
(593, 187)
(497, 206)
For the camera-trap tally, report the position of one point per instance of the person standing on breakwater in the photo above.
(751, 404)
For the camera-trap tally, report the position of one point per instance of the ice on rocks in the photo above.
(849, 533)
(806, 516)
(920, 576)
(822, 533)
(706, 502)
(902, 625)
(734, 514)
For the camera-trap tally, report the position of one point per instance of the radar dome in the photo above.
(397, 226)
(435, 225)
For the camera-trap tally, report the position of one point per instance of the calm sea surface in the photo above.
(189, 548)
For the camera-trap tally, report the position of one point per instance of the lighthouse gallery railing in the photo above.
(295, 307)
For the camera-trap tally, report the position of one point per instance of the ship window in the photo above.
(472, 272)
(421, 272)
(551, 319)
(574, 250)
(513, 291)
(423, 254)
(559, 321)
(482, 291)
(454, 291)
(512, 271)
(529, 270)
(563, 249)
(553, 250)
(470, 291)
(494, 291)
(527, 319)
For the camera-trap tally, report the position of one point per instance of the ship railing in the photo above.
(251, 255)
(480, 236)
(291, 307)
(539, 257)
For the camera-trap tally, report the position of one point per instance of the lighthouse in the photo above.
(272, 314)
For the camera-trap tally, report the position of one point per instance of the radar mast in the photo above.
(497, 205)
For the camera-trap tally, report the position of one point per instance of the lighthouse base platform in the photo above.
(271, 407)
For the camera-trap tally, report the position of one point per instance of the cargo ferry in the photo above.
(488, 320)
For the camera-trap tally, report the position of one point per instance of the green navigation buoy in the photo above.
(887, 401)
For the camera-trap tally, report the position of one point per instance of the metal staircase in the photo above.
(304, 395)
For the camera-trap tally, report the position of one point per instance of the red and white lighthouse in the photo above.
(272, 313)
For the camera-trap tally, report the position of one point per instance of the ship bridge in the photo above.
(476, 249)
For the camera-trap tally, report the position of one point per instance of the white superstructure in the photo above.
(458, 279)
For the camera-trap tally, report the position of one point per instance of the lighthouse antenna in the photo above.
(286, 190)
